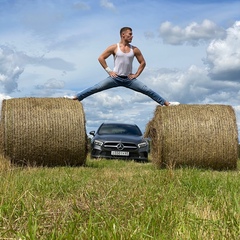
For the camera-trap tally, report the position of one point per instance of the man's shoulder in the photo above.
(113, 46)
(135, 49)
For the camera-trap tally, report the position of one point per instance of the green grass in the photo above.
(110, 199)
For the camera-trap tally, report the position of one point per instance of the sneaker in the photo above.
(173, 103)
(70, 97)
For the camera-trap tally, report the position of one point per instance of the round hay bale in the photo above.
(203, 136)
(44, 131)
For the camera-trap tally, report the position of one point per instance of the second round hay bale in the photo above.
(44, 131)
(194, 135)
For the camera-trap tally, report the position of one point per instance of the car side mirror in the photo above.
(92, 133)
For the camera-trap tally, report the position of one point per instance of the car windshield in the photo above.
(119, 129)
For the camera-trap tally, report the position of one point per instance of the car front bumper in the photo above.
(136, 155)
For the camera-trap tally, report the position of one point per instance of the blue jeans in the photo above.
(110, 82)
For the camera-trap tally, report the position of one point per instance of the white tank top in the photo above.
(123, 62)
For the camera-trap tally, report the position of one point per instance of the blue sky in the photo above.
(49, 48)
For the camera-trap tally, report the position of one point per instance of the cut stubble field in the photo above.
(114, 199)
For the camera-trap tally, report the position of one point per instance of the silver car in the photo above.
(119, 140)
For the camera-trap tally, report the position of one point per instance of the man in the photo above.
(122, 75)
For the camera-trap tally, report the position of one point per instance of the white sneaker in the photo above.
(174, 103)
(69, 97)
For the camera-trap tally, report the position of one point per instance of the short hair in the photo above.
(124, 29)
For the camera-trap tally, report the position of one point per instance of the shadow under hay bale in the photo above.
(43, 131)
(203, 136)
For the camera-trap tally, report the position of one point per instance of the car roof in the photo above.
(118, 123)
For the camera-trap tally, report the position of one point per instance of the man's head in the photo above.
(126, 34)
(124, 29)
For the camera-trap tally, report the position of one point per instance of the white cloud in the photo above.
(193, 34)
(108, 100)
(81, 6)
(52, 84)
(107, 4)
(13, 64)
(223, 56)
(10, 69)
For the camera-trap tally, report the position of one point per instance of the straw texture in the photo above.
(43, 131)
(194, 135)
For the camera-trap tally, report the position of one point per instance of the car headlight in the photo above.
(98, 143)
(143, 144)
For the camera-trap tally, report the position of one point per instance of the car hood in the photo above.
(123, 138)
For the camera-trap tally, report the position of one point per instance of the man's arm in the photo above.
(102, 58)
(142, 63)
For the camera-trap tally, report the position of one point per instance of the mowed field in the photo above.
(115, 199)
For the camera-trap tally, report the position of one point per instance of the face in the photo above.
(127, 36)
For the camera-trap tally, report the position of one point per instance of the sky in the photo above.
(50, 48)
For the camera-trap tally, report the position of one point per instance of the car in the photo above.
(119, 141)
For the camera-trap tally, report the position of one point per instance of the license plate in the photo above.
(119, 153)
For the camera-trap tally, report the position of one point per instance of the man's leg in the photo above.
(138, 86)
(103, 85)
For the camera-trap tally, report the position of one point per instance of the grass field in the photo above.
(110, 199)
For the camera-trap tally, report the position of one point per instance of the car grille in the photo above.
(122, 145)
